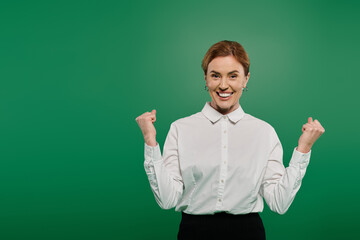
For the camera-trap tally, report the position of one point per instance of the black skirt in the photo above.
(222, 226)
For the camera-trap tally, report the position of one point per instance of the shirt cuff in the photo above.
(153, 152)
(301, 159)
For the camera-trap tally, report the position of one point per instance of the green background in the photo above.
(74, 75)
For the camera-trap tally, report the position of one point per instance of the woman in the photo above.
(218, 164)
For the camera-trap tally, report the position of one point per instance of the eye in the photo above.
(234, 76)
(214, 75)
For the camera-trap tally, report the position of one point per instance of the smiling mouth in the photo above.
(224, 95)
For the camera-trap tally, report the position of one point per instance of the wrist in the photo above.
(150, 140)
(303, 149)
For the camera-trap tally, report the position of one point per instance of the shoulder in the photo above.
(186, 124)
(266, 129)
(257, 122)
(189, 120)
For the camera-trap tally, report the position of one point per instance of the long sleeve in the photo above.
(280, 184)
(163, 171)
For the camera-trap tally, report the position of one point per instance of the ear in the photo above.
(247, 78)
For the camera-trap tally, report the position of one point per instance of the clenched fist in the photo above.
(146, 124)
(312, 130)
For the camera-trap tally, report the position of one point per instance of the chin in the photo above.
(223, 105)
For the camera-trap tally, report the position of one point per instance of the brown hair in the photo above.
(226, 48)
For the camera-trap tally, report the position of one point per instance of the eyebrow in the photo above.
(228, 73)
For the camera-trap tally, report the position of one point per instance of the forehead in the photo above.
(225, 64)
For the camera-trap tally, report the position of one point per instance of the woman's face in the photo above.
(225, 75)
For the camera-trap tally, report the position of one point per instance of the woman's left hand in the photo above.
(312, 130)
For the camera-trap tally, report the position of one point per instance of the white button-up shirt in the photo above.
(213, 162)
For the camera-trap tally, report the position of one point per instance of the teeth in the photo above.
(224, 94)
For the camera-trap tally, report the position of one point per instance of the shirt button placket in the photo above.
(224, 156)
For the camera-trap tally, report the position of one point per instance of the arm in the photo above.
(163, 171)
(280, 185)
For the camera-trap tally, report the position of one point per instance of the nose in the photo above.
(223, 84)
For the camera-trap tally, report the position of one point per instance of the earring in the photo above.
(206, 89)
(245, 89)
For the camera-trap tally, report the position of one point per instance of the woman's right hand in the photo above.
(145, 122)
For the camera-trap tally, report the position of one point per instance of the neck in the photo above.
(222, 110)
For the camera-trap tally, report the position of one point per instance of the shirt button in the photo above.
(224, 161)
(222, 180)
(224, 117)
(224, 146)
(219, 200)
(224, 131)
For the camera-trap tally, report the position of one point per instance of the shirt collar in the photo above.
(213, 115)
